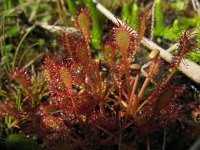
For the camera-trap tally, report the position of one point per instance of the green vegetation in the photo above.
(96, 29)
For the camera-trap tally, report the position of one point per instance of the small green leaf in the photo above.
(8, 48)
(8, 120)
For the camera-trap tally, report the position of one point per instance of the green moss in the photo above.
(21, 142)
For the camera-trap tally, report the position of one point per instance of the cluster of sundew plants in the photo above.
(100, 104)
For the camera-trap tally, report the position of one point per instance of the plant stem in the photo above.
(144, 86)
(132, 93)
(170, 75)
(127, 76)
(138, 98)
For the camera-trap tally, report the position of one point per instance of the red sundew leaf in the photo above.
(84, 23)
(123, 38)
(60, 102)
(162, 95)
(119, 71)
(51, 64)
(44, 108)
(22, 77)
(82, 56)
(106, 121)
(159, 99)
(109, 54)
(46, 75)
(186, 45)
(51, 122)
(170, 109)
(51, 71)
(7, 108)
(50, 68)
(66, 77)
(165, 98)
(67, 42)
(77, 73)
(85, 104)
(142, 26)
